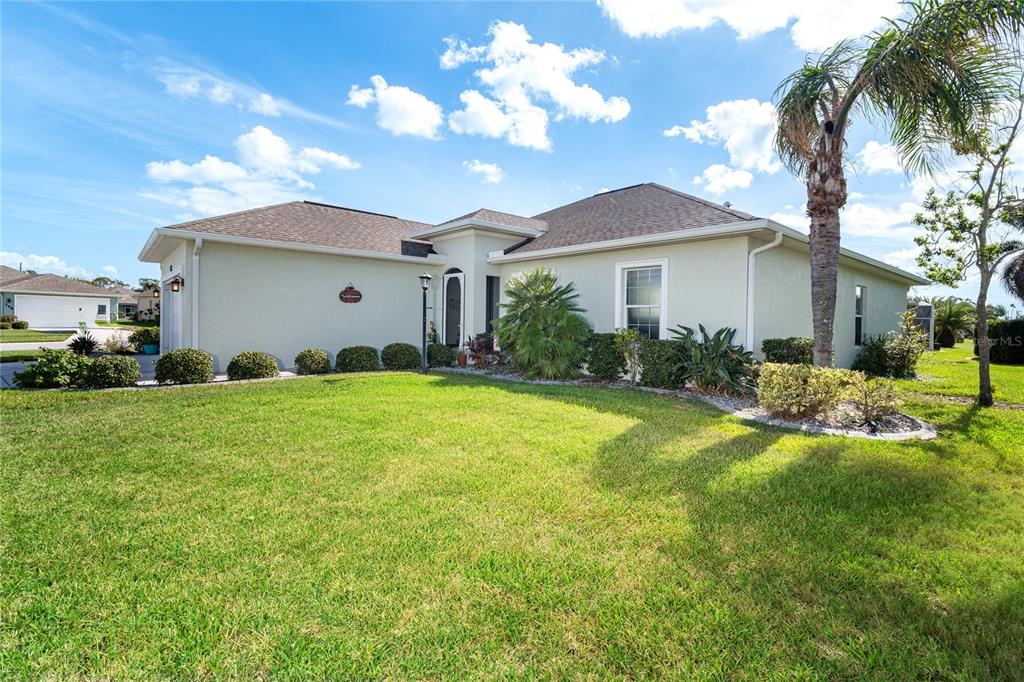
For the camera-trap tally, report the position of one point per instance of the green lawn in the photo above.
(31, 336)
(128, 324)
(951, 371)
(18, 355)
(408, 526)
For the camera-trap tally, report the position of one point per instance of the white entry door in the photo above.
(453, 317)
(170, 319)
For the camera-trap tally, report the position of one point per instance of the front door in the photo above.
(453, 309)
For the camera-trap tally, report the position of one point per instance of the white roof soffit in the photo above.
(435, 230)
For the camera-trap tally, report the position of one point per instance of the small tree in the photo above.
(973, 228)
(629, 343)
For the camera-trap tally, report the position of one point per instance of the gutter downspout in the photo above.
(751, 270)
(195, 291)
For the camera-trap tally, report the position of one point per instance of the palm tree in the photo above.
(933, 78)
(954, 317)
(1013, 277)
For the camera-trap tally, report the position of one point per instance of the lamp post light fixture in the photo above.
(425, 284)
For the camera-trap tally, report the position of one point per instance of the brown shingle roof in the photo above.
(55, 284)
(628, 212)
(10, 275)
(510, 219)
(307, 222)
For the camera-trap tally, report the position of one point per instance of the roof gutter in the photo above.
(751, 288)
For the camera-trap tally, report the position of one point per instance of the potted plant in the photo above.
(461, 358)
(146, 340)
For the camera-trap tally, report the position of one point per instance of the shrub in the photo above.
(629, 343)
(184, 366)
(894, 354)
(144, 336)
(795, 350)
(714, 363)
(5, 325)
(440, 355)
(1007, 337)
(56, 368)
(477, 349)
(874, 399)
(797, 391)
(117, 343)
(397, 356)
(542, 329)
(604, 360)
(357, 359)
(19, 324)
(659, 362)
(8, 318)
(312, 361)
(83, 343)
(252, 364)
(113, 371)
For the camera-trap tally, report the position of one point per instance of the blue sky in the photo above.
(121, 117)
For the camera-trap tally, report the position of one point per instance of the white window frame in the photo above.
(858, 343)
(620, 291)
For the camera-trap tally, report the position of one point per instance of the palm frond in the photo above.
(1013, 277)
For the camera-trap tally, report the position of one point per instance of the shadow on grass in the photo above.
(838, 547)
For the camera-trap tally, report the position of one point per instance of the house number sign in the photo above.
(350, 295)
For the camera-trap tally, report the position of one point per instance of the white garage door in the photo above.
(57, 312)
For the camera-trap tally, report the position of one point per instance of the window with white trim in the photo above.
(642, 300)
(860, 294)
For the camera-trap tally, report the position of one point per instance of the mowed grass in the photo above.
(19, 355)
(953, 371)
(408, 526)
(31, 336)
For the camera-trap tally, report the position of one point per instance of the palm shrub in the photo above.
(400, 356)
(83, 343)
(604, 360)
(56, 368)
(542, 329)
(954, 318)
(113, 371)
(713, 363)
(184, 366)
(357, 359)
(252, 364)
(312, 361)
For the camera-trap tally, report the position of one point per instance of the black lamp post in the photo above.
(425, 283)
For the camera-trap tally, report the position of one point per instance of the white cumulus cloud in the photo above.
(400, 110)
(745, 127)
(42, 264)
(876, 157)
(522, 78)
(265, 105)
(491, 172)
(210, 169)
(109, 270)
(812, 25)
(719, 178)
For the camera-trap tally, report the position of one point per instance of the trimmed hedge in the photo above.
(1007, 338)
(659, 362)
(400, 356)
(440, 355)
(357, 359)
(796, 391)
(794, 350)
(604, 360)
(5, 325)
(19, 324)
(184, 366)
(56, 368)
(113, 371)
(312, 361)
(252, 364)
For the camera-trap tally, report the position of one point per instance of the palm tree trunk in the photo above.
(826, 194)
(984, 344)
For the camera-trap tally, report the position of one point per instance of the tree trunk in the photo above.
(826, 194)
(984, 344)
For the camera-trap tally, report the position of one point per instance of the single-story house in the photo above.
(305, 274)
(54, 302)
(127, 303)
(148, 304)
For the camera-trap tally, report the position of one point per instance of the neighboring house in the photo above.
(52, 301)
(148, 304)
(127, 303)
(644, 256)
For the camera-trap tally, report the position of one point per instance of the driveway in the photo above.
(101, 334)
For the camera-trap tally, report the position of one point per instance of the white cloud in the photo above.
(265, 105)
(268, 171)
(797, 221)
(521, 76)
(745, 127)
(109, 270)
(817, 25)
(863, 220)
(42, 264)
(491, 171)
(399, 110)
(903, 258)
(180, 84)
(221, 94)
(719, 178)
(879, 158)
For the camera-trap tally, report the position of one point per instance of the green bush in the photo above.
(894, 354)
(604, 359)
(312, 361)
(8, 318)
(440, 355)
(542, 329)
(56, 368)
(398, 356)
(659, 362)
(144, 336)
(1007, 337)
(252, 364)
(5, 325)
(357, 359)
(113, 371)
(874, 399)
(797, 391)
(794, 350)
(184, 366)
(83, 343)
(714, 363)
(19, 324)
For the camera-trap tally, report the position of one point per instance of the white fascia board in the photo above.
(161, 232)
(435, 230)
(58, 293)
(626, 242)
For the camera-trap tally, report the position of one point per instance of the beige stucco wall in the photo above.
(782, 301)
